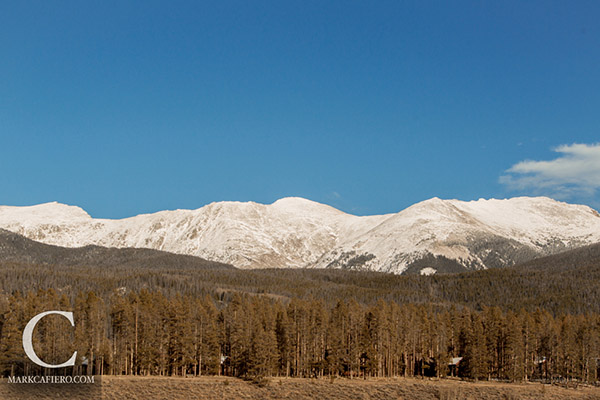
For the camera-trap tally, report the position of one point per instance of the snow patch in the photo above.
(427, 271)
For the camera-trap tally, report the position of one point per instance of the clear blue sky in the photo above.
(132, 107)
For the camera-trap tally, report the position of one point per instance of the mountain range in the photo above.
(433, 236)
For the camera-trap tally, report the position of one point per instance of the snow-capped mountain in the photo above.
(452, 235)
(434, 235)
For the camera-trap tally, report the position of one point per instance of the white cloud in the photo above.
(575, 172)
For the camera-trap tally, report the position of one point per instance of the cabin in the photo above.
(453, 365)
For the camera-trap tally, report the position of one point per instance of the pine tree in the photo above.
(282, 328)
(11, 349)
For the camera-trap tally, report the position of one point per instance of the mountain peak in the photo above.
(292, 200)
(300, 204)
(46, 212)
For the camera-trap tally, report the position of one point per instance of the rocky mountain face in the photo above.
(431, 236)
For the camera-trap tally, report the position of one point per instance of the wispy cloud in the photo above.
(576, 172)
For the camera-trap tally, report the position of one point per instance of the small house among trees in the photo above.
(453, 365)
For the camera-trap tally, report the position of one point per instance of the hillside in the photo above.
(16, 248)
(581, 258)
(565, 283)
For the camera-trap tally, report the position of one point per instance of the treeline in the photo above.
(147, 333)
(559, 290)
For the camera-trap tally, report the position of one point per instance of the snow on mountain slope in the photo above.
(291, 232)
(294, 232)
(476, 234)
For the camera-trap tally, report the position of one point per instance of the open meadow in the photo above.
(167, 388)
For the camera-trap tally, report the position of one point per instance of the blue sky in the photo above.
(133, 107)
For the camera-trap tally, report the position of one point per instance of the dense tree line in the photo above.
(148, 333)
(566, 283)
(574, 290)
(182, 316)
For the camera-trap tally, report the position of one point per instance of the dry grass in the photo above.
(143, 388)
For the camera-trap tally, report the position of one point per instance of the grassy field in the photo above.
(143, 388)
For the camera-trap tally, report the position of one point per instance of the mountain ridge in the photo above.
(293, 232)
